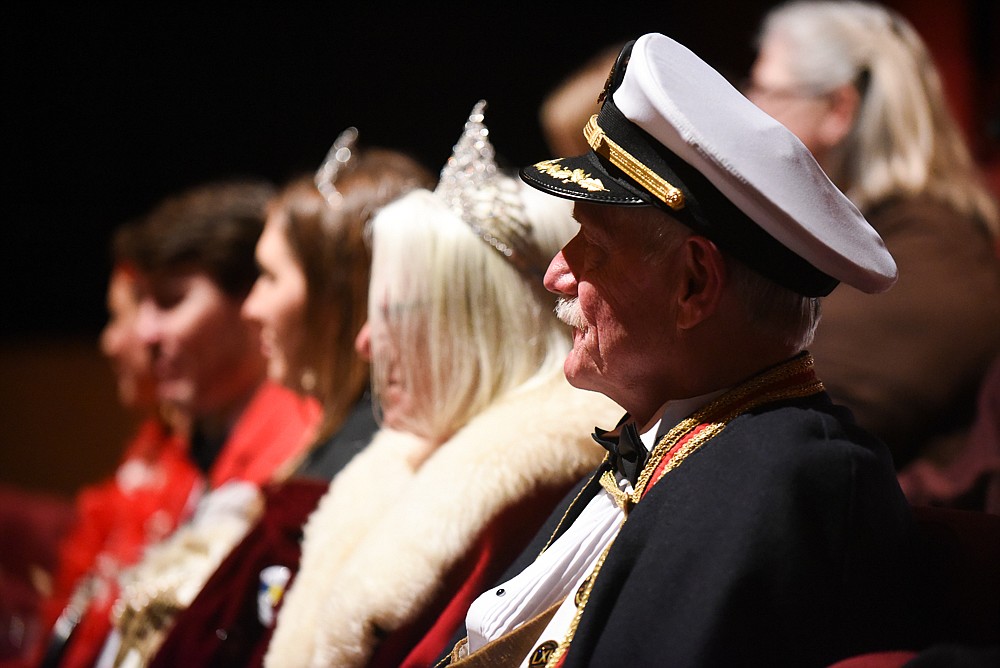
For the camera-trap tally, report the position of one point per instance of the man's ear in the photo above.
(703, 279)
(839, 118)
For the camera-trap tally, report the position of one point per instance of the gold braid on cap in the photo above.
(337, 158)
(487, 200)
(638, 172)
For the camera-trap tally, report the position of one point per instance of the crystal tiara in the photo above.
(487, 200)
(337, 158)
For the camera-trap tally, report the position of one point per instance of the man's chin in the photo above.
(576, 373)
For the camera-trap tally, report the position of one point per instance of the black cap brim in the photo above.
(587, 177)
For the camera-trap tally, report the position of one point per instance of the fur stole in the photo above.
(383, 539)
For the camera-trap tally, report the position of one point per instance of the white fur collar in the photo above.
(354, 578)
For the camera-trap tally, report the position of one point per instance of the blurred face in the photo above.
(130, 359)
(277, 304)
(206, 357)
(396, 401)
(617, 302)
(773, 89)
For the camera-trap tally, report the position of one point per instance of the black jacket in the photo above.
(784, 540)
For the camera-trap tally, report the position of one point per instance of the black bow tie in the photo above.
(628, 454)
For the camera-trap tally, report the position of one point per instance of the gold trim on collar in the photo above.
(625, 161)
(794, 378)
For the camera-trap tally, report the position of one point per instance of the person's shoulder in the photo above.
(542, 430)
(813, 419)
(921, 214)
(815, 437)
(788, 460)
(274, 398)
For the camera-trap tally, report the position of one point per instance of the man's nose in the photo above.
(558, 277)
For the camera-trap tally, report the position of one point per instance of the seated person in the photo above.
(481, 434)
(116, 518)
(856, 84)
(568, 106)
(194, 263)
(310, 301)
(188, 264)
(740, 517)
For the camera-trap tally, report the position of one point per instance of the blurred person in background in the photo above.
(854, 81)
(480, 432)
(566, 109)
(311, 298)
(148, 495)
(193, 258)
(310, 302)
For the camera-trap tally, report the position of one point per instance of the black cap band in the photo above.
(707, 211)
(651, 172)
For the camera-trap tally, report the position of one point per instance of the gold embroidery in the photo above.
(610, 485)
(625, 161)
(581, 591)
(577, 176)
(542, 654)
(731, 404)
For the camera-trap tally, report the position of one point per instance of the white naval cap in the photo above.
(673, 133)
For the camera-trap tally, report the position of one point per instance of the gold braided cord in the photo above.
(625, 161)
(570, 507)
(621, 498)
(732, 404)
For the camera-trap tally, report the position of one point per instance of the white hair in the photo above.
(771, 309)
(468, 325)
(904, 140)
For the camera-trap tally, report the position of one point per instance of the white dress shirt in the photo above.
(560, 570)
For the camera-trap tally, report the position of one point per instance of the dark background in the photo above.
(106, 110)
(110, 109)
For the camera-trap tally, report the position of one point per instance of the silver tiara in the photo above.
(488, 201)
(336, 160)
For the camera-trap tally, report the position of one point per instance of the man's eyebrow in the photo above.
(600, 234)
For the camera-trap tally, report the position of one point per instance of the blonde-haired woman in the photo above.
(855, 82)
(309, 301)
(481, 433)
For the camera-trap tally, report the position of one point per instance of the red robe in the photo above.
(153, 491)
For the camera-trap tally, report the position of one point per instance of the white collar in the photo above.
(674, 411)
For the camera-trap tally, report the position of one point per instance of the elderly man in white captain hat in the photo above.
(740, 518)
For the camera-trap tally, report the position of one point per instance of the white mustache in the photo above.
(568, 311)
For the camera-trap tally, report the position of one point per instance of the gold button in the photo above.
(578, 598)
(540, 655)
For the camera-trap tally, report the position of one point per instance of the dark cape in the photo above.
(784, 540)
